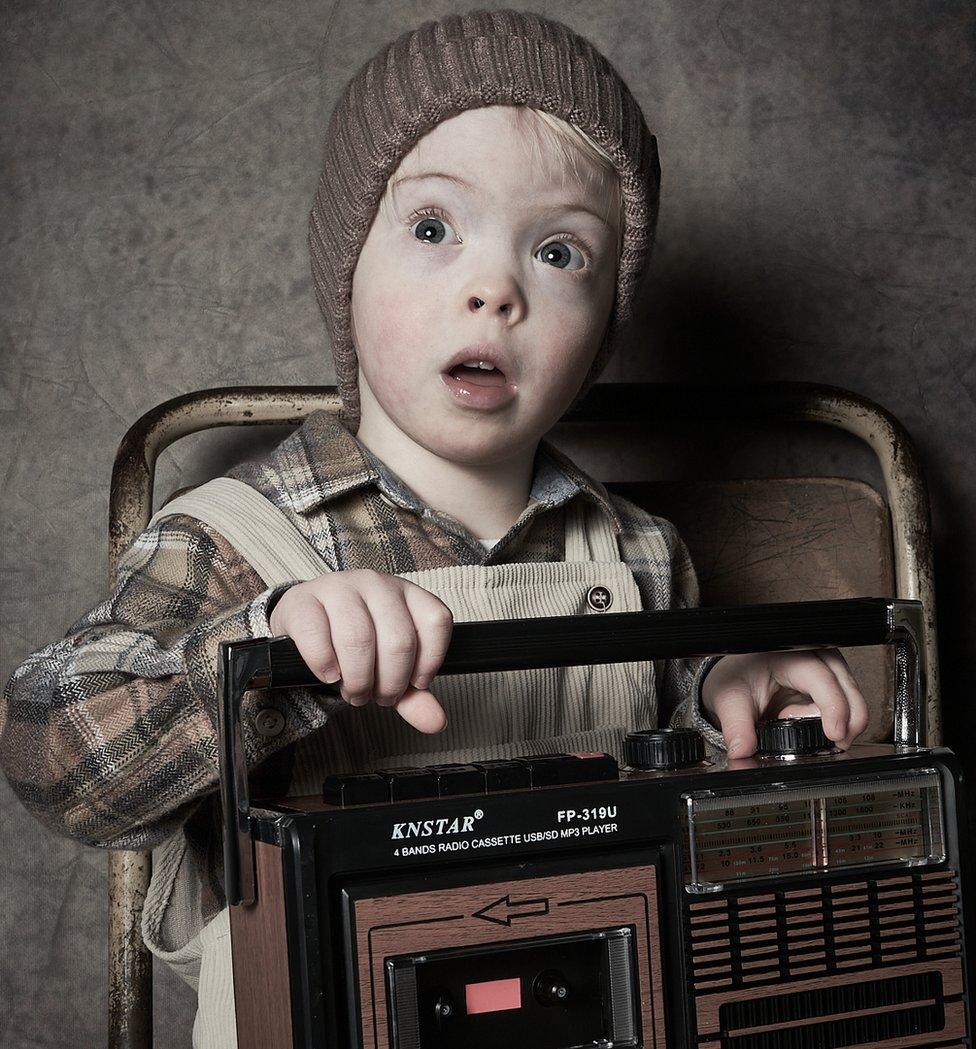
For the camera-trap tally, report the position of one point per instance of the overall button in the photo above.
(269, 721)
(599, 598)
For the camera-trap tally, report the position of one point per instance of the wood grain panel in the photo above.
(262, 992)
(448, 918)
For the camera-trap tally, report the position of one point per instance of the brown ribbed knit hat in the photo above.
(433, 72)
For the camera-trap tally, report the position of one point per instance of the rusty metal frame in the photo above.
(130, 508)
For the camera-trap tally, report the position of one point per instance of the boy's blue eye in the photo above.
(559, 253)
(567, 253)
(430, 228)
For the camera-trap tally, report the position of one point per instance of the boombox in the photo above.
(804, 898)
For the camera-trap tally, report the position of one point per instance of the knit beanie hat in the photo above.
(433, 72)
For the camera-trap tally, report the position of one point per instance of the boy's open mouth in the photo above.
(474, 380)
(478, 375)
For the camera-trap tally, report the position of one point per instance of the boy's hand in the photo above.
(383, 637)
(741, 689)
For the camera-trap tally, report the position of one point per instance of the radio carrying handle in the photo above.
(559, 641)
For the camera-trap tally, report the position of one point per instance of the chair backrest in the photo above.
(751, 541)
(788, 539)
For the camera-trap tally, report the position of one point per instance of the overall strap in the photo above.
(589, 533)
(254, 526)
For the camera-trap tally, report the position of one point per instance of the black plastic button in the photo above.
(550, 770)
(458, 779)
(502, 774)
(599, 766)
(410, 783)
(359, 789)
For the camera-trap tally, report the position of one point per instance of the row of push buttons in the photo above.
(480, 777)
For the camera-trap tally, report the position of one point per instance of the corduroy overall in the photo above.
(587, 708)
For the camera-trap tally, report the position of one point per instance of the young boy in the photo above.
(475, 254)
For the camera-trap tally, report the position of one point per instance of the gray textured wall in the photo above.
(817, 223)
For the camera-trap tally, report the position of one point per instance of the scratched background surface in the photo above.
(816, 224)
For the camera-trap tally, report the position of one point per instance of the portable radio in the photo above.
(804, 898)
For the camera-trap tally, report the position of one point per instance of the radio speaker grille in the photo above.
(856, 1014)
(836, 927)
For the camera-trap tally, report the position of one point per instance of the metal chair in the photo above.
(839, 538)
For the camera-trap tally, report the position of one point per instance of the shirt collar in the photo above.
(332, 461)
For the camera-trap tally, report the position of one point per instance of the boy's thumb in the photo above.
(736, 712)
(420, 708)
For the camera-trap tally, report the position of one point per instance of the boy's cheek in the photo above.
(385, 328)
(389, 370)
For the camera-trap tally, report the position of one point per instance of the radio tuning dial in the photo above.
(789, 736)
(664, 748)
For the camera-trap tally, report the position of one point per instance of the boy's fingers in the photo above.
(735, 709)
(354, 640)
(421, 709)
(396, 643)
(434, 622)
(806, 672)
(859, 712)
(313, 639)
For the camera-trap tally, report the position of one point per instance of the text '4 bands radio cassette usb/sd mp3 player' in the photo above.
(805, 898)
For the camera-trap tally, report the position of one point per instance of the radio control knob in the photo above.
(664, 748)
(792, 736)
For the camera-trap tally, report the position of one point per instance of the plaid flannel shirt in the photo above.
(109, 734)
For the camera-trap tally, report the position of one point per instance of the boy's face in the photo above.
(519, 259)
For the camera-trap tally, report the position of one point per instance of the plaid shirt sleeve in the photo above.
(109, 735)
(666, 578)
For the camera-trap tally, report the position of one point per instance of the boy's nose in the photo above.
(478, 303)
(504, 305)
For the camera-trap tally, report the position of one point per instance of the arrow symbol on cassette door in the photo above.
(505, 910)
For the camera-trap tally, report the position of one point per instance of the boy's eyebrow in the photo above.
(579, 206)
(457, 180)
